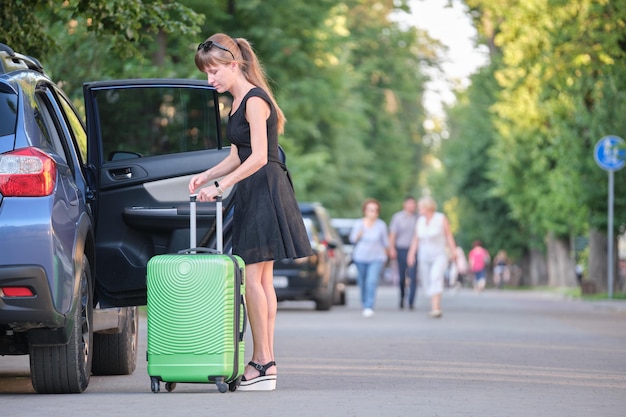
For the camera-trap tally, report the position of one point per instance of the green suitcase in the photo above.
(196, 316)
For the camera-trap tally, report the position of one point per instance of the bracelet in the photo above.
(219, 189)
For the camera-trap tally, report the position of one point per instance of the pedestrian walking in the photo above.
(501, 270)
(434, 244)
(478, 260)
(371, 243)
(267, 223)
(401, 229)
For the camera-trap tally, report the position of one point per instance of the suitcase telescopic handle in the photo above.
(219, 238)
(193, 241)
(192, 221)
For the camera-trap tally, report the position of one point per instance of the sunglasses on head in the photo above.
(205, 46)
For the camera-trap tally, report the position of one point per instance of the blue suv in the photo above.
(84, 206)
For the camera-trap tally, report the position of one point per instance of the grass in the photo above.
(603, 296)
(573, 292)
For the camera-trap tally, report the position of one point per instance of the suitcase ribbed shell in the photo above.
(195, 318)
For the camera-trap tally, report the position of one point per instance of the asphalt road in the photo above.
(500, 353)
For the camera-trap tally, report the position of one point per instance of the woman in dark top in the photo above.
(267, 224)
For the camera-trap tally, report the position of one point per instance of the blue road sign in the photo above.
(610, 153)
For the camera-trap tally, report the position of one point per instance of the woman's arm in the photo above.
(257, 113)
(226, 166)
(449, 237)
(356, 232)
(384, 236)
(411, 256)
(384, 233)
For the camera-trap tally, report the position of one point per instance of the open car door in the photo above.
(146, 140)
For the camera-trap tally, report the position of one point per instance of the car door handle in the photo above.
(121, 173)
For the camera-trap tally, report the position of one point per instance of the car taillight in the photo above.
(16, 292)
(27, 172)
(330, 250)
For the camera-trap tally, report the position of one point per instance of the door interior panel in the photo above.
(146, 139)
(140, 218)
(175, 189)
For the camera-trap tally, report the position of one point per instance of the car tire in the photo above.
(116, 353)
(325, 302)
(66, 369)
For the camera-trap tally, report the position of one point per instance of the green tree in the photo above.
(390, 62)
(350, 83)
(121, 24)
(349, 79)
(561, 64)
(464, 156)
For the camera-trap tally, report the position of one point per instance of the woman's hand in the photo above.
(207, 193)
(410, 258)
(197, 181)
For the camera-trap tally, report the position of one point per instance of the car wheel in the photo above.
(116, 353)
(325, 302)
(65, 369)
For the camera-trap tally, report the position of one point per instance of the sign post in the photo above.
(609, 154)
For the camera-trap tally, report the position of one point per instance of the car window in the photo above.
(344, 227)
(316, 226)
(310, 229)
(149, 121)
(43, 114)
(345, 237)
(328, 228)
(8, 114)
(77, 129)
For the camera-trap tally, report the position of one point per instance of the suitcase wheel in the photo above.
(170, 386)
(155, 385)
(221, 385)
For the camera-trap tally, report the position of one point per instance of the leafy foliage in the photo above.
(122, 24)
(556, 66)
(514, 163)
(349, 79)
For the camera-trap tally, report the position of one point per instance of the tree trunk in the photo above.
(561, 266)
(158, 58)
(534, 269)
(598, 258)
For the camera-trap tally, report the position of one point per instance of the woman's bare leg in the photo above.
(272, 304)
(261, 307)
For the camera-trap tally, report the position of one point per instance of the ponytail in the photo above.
(249, 64)
(254, 72)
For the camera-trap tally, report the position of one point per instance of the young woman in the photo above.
(501, 272)
(267, 223)
(371, 245)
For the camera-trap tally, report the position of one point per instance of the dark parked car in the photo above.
(319, 277)
(83, 209)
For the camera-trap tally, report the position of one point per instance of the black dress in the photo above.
(267, 223)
